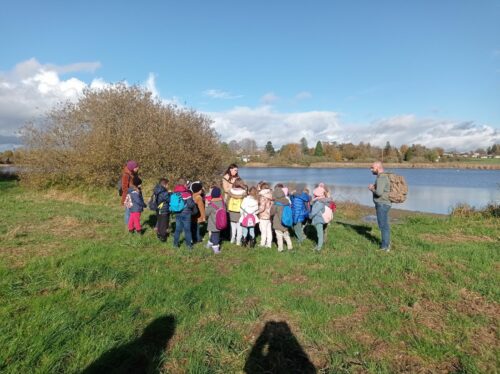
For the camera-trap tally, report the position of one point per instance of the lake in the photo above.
(430, 190)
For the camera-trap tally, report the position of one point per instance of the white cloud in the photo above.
(220, 94)
(304, 95)
(264, 123)
(269, 98)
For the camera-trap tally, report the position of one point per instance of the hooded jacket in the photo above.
(189, 206)
(318, 207)
(249, 205)
(277, 210)
(265, 203)
(300, 206)
(138, 204)
(162, 199)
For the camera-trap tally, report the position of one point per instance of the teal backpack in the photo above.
(287, 216)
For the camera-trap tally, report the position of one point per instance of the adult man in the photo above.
(380, 192)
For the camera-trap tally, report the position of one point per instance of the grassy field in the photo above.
(81, 295)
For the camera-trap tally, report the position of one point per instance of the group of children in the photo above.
(239, 211)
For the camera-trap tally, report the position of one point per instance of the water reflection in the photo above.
(431, 190)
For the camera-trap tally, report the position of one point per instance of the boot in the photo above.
(244, 242)
(216, 249)
(251, 243)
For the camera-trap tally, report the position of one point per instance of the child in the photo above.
(163, 211)
(183, 218)
(265, 203)
(276, 214)
(215, 203)
(236, 195)
(249, 206)
(198, 219)
(135, 202)
(320, 200)
(300, 211)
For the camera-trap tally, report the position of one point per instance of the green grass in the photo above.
(78, 292)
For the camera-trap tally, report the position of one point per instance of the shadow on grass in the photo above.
(278, 351)
(142, 355)
(361, 230)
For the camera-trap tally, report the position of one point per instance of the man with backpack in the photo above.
(380, 191)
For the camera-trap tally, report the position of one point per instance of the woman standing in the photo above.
(130, 171)
(230, 176)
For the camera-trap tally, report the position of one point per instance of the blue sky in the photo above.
(403, 71)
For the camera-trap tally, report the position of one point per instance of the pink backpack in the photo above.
(327, 214)
(220, 216)
(249, 220)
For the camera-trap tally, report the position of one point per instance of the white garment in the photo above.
(279, 238)
(266, 233)
(249, 205)
(236, 233)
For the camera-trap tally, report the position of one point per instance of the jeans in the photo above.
(195, 230)
(246, 230)
(215, 237)
(297, 229)
(127, 215)
(183, 222)
(383, 224)
(319, 232)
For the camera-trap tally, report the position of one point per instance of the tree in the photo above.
(318, 150)
(248, 146)
(291, 151)
(270, 149)
(89, 141)
(304, 147)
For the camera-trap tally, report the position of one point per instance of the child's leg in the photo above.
(135, 221)
(178, 229)
(239, 233)
(319, 233)
(162, 224)
(187, 230)
(126, 216)
(279, 239)
(234, 229)
(286, 236)
(215, 240)
(244, 232)
(130, 223)
(269, 242)
(251, 231)
(263, 231)
(297, 228)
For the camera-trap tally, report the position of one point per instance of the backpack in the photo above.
(333, 206)
(398, 188)
(286, 216)
(249, 220)
(153, 202)
(177, 203)
(128, 201)
(234, 205)
(327, 214)
(220, 216)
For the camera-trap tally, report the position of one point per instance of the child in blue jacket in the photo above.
(300, 211)
(135, 202)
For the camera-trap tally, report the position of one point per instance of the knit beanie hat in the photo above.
(215, 193)
(131, 165)
(278, 194)
(319, 191)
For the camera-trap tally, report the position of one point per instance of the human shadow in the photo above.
(277, 350)
(310, 233)
(361, 230)
(142, 355)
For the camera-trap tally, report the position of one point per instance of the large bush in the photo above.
(89, 141)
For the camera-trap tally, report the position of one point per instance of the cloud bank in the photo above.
(31, 88)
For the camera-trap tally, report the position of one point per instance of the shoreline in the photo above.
(366, 165)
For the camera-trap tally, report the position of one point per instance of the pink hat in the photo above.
(131, 165)
(285, 190)
(319, 191)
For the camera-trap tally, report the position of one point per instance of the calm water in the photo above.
(431, 190)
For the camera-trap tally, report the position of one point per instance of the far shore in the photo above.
(362, 165)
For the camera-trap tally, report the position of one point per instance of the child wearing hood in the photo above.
(162, 212)
(320, 200)
(276, 214)
(135, 203)
(236, 195)
(264, 213)
(300, 211)
(183, 218)
(249, 206)
(214, 204)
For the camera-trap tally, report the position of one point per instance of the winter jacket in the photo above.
(300, 206)
(127, 176)
(189, 206)
(382, 188)
(265, 203)
(318, 208)
(201, 216)
(162, 199)
(212, 211)
(138, 204)
(277, 210)
(236, 193)
(249, 205)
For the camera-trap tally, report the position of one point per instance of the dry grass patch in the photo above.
(455, 237)
(16, 257)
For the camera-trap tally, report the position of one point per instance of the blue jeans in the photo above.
(246, 230)
(319, 232)
(127, 216)
(383, 224)
(183, 222)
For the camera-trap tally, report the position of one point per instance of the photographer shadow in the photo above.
(277, 350)
(365, 231)
(142, 355)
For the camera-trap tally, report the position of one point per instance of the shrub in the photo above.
(89, 141)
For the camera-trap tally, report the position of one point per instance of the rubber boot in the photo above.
(251, 243)
(216, 249)
(244, 242)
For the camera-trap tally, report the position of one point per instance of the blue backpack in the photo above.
(177, 203)
(287, 216)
